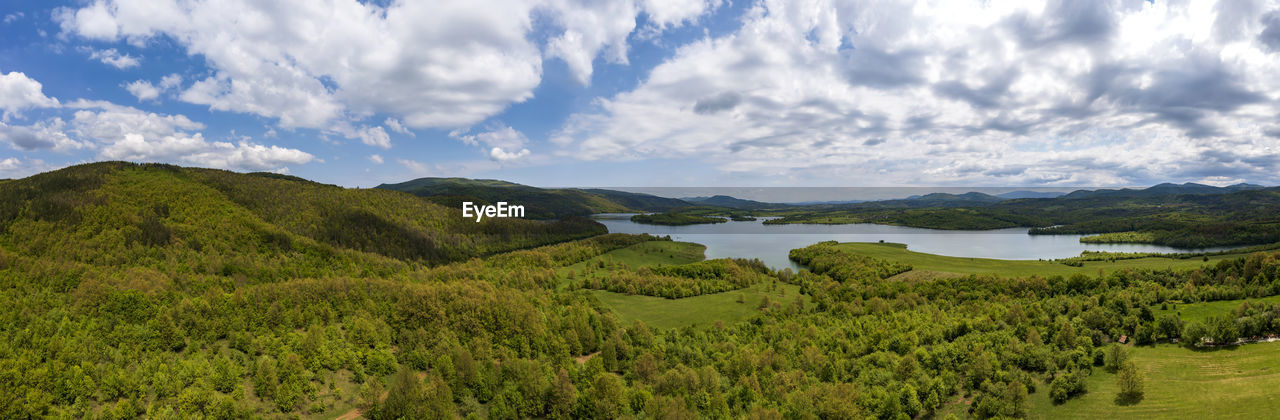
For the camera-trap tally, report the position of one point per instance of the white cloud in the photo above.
(667, 13)
(18, 168)
(502, 142)
(43, 135)
(375, 159)
(396, 126)
(143, 90)
(503, 156)
(113, 58)
(172, 81)
(374, 136)
(432, 64)
(125, 133)
(19, 92)
(995, 92)
(10, 18)
(247, 155)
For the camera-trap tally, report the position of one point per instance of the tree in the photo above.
(411, 398)
(1115, 357)
(1223, 330)
(1066, 337)
(1193, 334)
(1169, 326)
(265, 378)
(606, 396)
(1130, 381)
(563, 395)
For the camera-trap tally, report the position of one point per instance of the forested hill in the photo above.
(115, 211)
(1186, 215)
(539, 203)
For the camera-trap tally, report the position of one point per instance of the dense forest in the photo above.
(539, 203)
(166, 292)
(676, 218)
(1186, 217)
(678, 281)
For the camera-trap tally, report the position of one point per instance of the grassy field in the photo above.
(699, 311)
(1201, 311)
(922, 262)
(1235, 382)
(653, 253)
(650, 253)
(660, 312)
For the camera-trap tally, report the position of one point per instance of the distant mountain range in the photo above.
(1031, 194)
(731, 202)
(540, 203)
(1165, 189)
(551, 203)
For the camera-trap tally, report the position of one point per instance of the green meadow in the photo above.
(696, 311)
(1233, 382)
(1203, 310)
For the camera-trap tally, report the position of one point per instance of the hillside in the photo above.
(166, 212)
(732, 202)
(1163, 190)
(540, 203)
(1190, 216)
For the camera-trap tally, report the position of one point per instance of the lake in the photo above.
(771, 243)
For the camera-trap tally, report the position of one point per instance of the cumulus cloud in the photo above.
(502, 142)
(503, 156)
(143, 90)
(126, 133)
(374, 136)
(113, 58)
(17, 168)
(376, 159)
(309, 63)
(396, 126)
(1055, 92)
(19, 92)
(43, 135)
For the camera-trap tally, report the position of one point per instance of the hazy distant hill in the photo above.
(1031, 194)
(731, 202)
(539, 203)
(1164, 189)
(934, 200)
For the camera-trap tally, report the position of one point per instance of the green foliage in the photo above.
(249, 309)
(539, 203)
(829, 259)
(1187, 220)
(675, 219)
(1130, 380)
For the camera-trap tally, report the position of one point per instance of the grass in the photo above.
(652, 253)
(660, 312)
(922, 262)
(700, 311)
(1201, 311)
(1235, 382)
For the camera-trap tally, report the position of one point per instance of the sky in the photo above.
(651, 93)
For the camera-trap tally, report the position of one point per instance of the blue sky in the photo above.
(651, 93)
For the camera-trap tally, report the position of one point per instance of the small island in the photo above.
(675, 219)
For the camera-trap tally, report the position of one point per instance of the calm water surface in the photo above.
(771, 243)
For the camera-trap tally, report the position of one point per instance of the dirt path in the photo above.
(584, 359)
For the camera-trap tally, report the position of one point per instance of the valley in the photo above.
(163, 291)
